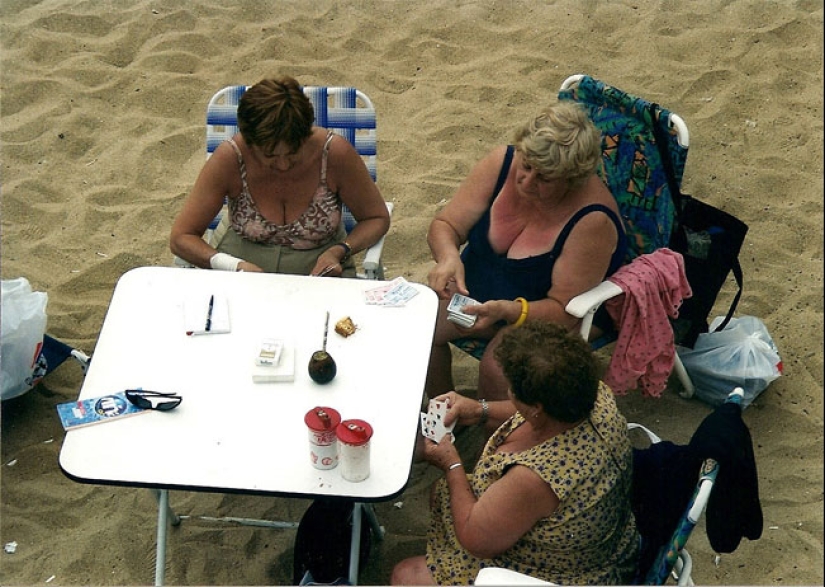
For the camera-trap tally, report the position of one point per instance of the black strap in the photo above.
(662, 142)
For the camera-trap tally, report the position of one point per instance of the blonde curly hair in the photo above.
(561, 142)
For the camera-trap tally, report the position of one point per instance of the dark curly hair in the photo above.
(547, 365)
(275, 110)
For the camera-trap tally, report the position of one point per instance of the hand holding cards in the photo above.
(454, 310)
(432, 423)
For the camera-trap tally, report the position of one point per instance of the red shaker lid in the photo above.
(321, 419)
(354, 432)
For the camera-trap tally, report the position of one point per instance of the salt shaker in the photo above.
(322, 424)
(354, 449)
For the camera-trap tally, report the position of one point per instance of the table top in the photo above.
(233, 435)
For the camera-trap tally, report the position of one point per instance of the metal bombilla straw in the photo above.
(326, 330)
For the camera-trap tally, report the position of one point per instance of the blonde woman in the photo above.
(540, 227)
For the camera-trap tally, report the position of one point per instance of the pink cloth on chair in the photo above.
(654, 286)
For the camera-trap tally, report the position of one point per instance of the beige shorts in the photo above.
(274, 258)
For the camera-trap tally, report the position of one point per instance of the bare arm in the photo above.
(450, 227)
(205, 200)
(358, 191)
(467, 412)
(506, 511)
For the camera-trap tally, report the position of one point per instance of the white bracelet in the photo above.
(454, 466)
(224, 262)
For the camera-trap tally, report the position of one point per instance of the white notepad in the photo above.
(196, 312)
(283, 371)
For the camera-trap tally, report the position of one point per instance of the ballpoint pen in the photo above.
(209, 313)
(326, 270)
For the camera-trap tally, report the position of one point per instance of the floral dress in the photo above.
(591, 538)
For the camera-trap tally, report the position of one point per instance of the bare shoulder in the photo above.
(493, 159)
(339, 147)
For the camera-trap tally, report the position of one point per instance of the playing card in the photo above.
(428, 426)
(432, 423)
(400, 294)
(395, 293)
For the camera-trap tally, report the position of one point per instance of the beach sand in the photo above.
(103, 135)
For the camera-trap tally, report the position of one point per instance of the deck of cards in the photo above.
(454, 310)
(432, 423)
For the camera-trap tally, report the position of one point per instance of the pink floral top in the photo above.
(316, 226)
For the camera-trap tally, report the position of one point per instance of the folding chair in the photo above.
(346, 111)
(51, 355)
(632, 169)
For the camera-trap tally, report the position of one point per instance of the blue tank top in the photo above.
(490, 276)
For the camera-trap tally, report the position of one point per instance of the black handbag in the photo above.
(709, 240)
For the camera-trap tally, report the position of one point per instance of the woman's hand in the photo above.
(329, 263)
(461, 410)
(248, 267)
(490, 313)
(441, 454)
(447, 278)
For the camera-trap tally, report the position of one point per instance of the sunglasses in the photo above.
(153, 400)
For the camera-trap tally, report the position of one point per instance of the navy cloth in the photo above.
(490, 276)
(665, 476)
(734, 511)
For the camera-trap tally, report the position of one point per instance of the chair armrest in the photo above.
(584, 305)
(373, 269)
(590, 300)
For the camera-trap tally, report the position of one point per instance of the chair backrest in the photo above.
(631, 165)
(346, 111)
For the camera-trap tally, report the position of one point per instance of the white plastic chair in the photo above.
(346, 111)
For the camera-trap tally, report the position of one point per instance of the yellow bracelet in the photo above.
(525, 307)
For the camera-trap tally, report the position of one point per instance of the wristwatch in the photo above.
(347, 250)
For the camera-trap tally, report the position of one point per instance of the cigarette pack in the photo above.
(283, 370)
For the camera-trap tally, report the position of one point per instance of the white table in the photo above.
(230, 434)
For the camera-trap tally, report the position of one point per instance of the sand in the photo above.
(103, 135)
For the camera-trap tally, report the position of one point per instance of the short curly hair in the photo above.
(561, 142)
(545, 364)
(275, 110)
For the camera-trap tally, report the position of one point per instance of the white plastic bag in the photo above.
(21, 336)
(742, 355)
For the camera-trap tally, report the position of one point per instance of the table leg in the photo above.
(355, 539)
(377, 530)
(355, 544)
(165, 513)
